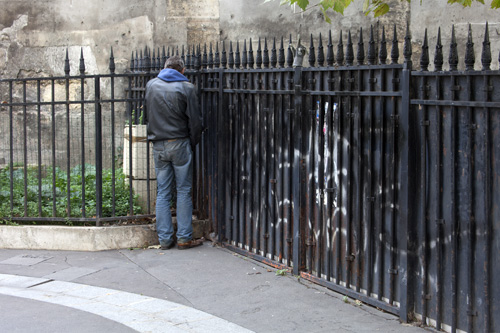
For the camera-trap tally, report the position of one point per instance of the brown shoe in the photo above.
(190, 244)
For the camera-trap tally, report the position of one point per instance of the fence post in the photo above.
(222, 139)
(298, 192)
(407, 188)
(98, 151)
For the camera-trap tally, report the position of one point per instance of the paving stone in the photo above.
(25, 260)
(70, 274)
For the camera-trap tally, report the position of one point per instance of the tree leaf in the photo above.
(366, 5)
(495, 4)
(381, 10)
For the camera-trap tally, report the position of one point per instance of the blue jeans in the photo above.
(174, 161)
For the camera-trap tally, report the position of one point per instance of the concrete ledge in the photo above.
(76, 238)
(86, 238)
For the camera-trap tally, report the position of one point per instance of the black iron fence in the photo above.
(358, 172)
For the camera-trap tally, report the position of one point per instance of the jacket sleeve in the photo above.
(194, 115)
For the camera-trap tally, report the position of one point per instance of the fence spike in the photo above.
(158, 59)
(382, 55)
(395, 47)
(211, 57)
(407, 51)
(177, 50)
(82, 62)
(438, 55)
(486, 52)
(250, 54)
(470, 57)
(153, 61)
(453, 57)
(217, 55)
(224, 55)
(188, 57)
(197, 59)
(163, 57)
(330, 57)
(424, 58)
(312, 55)
(183, 55)
(265, 60)
(340, 51)
(371, 48)
(289, 56)
(132, 62)
(244, 57)
(147, 60)
(321, 52)
(137, 62)
(112, 66)
(360, 56)
(281, 56)
(204, 62)
(349, 54)
(274, 58)
(259, 56)
(66, 62)
(231, 55)
(168, 52)
(237, 58)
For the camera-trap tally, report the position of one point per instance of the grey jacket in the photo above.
(172, 111)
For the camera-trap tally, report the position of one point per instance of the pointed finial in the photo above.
(382, 55)
(132, 62)
(244, 58)
(210, 57)
(223, 60)
(259, 55)
(265, 60)
(217, 55)
(66, 62)
(486, 52)
(289, 56)
(82, 62)
(281, 56)
(407, 50)
(274, 56)
(371, 48)
(237, 56)
(231, 55)
(395, 47)
(312, 55)
(360, 56)
(251, 61)
(349, 54)
(424, 58)
(438, 55)
(453, 57)
(321, 53)
(204, 62)
(340, 51)
(330, 57)
(470, 57)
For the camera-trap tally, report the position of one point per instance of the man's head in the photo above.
(175, 62)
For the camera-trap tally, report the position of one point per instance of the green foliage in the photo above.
(377, 7)
(281, 272)
(44, 189)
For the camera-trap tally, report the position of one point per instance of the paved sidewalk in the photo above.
(205, 289)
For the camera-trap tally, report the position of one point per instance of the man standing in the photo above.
(174, 126)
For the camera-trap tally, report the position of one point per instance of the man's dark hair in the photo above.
(175, 62)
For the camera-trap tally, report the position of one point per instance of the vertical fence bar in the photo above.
(39, 145)
(25, 152)
(297, 187)
(53, 121)
(82, 129)
(222, 142)
(11, 150)
(406, 191)
(98, 149)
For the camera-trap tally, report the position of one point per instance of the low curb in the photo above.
(66, 238)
